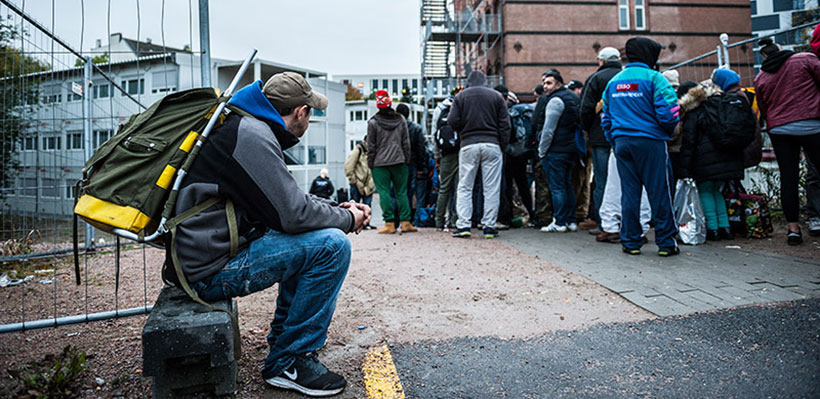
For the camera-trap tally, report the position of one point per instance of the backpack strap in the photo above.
(172, 225)
(233, 231)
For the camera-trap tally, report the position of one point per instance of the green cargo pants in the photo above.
(448, 175)
(543, 198)
(383, 176)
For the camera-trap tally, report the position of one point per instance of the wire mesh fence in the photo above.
(743, 57)
(57, 105)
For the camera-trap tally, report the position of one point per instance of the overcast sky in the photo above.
(333, 36)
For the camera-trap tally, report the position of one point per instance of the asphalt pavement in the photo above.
(760, 351)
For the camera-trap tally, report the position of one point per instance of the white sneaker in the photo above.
(573, 227)
(814, 227)
(554, 228)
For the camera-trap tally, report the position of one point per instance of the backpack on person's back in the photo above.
(731, 121)
(446, 138)
(521, 142)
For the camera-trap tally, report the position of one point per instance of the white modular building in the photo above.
(51, 149)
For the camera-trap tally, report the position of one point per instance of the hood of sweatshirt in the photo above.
(643, 49)
(251, 100)
(725, 78)
(388, 118)
(773, 63)
(815, 40)
(475, 79)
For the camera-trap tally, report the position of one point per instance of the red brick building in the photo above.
(567, 34)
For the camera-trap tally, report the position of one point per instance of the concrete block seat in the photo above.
(188, 347)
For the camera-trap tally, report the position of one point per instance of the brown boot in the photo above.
(389, 228)
(608, 237)
(406, 227)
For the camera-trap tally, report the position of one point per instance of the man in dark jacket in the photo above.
(640, 115)
(480, 115)
(609, 64)
(543, 199)
(280, 234)
(322, 186)
(558, 151)
(417, 169)
(388, 153)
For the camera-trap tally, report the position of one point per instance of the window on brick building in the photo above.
(623, 14)
(640, 15)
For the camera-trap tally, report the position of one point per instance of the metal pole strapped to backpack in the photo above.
(172, 197)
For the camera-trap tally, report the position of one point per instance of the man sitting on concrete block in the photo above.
(267, 230)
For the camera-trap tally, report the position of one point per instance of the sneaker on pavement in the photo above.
(554, 228)
(501, 226)
(814, 227)
(490, 232)
(310, 377)
(462, 233)
(668, 251)
(572, 227)
(631, 251)
(612, 238)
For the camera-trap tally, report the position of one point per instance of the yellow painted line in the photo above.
(381, 380)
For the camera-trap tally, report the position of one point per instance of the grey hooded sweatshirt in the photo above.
(480, 114)
(388, 142)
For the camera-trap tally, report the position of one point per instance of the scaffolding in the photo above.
(458, 36)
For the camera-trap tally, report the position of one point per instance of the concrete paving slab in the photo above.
(702, 278)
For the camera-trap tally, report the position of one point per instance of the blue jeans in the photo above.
(416, 187)
(309, 267)
(600, 161)
(358, 197)
(559, 175)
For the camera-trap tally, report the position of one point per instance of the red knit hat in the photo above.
(383, 99)
(815, 40)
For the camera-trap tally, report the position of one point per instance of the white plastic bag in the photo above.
(688, 213)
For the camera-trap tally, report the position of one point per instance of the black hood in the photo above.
(643, 49)
(476, 78)
(773, 63)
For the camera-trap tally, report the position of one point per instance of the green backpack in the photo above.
(127, 182)
(127, 185)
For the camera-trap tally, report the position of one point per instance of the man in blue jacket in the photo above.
(640, 115)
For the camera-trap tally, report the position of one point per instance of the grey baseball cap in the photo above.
(609, 54)
(289, 89)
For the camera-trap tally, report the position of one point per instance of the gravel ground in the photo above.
(401, 289)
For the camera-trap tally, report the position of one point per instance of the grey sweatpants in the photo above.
(487, 157)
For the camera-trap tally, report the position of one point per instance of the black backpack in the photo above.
(731, 121)
(446, 138)
(520, 139)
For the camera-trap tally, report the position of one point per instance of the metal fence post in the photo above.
(88, 132)
(724, 42)
(204, 43)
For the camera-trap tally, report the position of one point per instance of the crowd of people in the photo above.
(636, 129)
(602, 155)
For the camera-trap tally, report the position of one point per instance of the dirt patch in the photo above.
(776, 243)
(400, 289)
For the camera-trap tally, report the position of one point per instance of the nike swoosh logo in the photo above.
(293, 375)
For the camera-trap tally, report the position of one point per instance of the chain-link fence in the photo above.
(57, 105)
